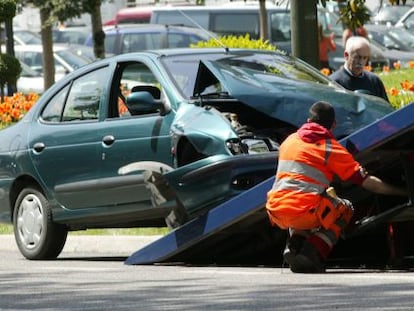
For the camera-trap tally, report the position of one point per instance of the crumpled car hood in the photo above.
(289, 99)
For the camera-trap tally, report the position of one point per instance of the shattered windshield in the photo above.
(256, 67)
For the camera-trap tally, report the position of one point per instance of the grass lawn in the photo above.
(399, 85)
(8, 229)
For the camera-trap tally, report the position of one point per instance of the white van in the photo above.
(226, 20)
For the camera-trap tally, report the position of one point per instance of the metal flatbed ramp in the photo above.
(198, 230)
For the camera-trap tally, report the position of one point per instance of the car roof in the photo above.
(171, 52)
(234, 6)
(123, 29)
(389, 13)
(378, 26)
(142, 28)
(191, 51)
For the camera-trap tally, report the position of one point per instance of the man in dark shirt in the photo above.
(352, 75)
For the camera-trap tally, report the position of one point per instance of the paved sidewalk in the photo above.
(118, 245)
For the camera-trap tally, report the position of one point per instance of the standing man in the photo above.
(352, 75)
(308, 161)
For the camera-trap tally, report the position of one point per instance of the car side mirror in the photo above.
(139, 103)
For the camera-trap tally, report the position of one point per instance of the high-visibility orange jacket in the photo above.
(308, 161)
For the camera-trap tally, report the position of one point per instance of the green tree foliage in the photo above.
(10, 70)
(355, 14)
(7, 10)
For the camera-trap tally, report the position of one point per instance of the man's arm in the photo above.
(375, 184)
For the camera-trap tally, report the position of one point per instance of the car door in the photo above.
(142, 140)
(65, 141)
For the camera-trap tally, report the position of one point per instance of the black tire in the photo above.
(37, 236)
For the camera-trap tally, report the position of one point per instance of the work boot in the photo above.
(307, 260)
(293, 246)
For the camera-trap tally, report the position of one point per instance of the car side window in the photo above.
(33, 59)
(53, 110)
(110, 43)
(409, 22)
(133, 43)
(280, 30)
(236, 24)
(131, 77)
(85, 96)
(79, 101)
(181, 40)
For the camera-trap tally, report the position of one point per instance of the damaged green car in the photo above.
(157, 138)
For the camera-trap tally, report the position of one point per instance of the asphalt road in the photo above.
(90, 274)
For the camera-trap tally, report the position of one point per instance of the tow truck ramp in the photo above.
(384, 147)
(202, 228)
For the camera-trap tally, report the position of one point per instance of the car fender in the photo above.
(204, 127)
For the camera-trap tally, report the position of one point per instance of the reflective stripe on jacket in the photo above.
(305, 170)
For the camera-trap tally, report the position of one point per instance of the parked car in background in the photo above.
(397, 44)
(395, 38)
(134, 15)
(407, 21)
(30, 81)
(71, 35)
(195, 127)
(388, 14)
(132, 38)
(65, 56)
(23, 37)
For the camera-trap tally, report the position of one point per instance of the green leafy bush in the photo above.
(10, 70)
(236, 42)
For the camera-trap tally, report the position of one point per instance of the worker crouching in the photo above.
(300, 201)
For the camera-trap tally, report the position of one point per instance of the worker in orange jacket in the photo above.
(298, 201)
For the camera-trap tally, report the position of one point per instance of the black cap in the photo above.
(322, 113)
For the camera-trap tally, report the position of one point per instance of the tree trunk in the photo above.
(98, 33)
(264, 34)
(304, 25)
(11, 87)
(47, 44)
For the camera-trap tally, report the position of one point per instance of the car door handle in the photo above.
(108, 140)
(39, 147)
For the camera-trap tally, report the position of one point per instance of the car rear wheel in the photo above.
(37, 236)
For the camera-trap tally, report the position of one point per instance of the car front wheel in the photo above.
(37, 236)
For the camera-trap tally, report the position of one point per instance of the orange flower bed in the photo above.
(13, 108)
